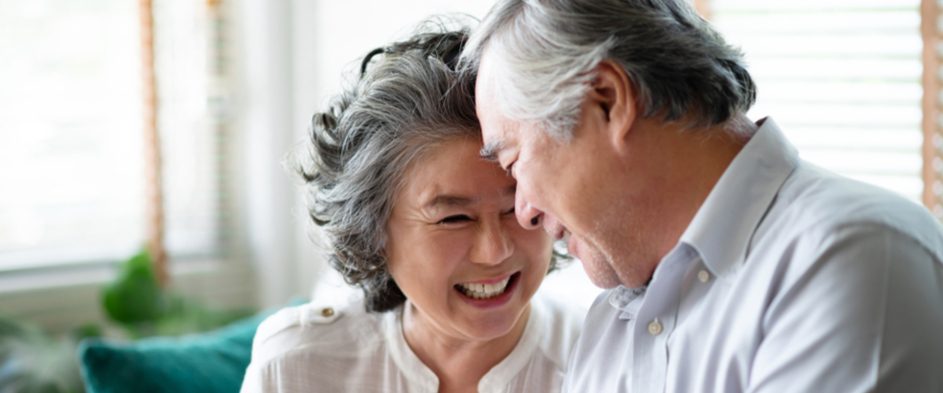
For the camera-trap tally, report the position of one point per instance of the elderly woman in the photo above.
(427, 229)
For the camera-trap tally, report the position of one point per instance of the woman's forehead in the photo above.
(454, 174)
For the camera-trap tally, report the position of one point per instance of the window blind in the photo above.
(843, 79)
(191, 130)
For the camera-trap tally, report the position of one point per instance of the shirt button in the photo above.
(327, 312)
(654, 327)
(704, 276)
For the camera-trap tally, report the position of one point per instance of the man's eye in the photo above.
(456, 219)
(508, 212)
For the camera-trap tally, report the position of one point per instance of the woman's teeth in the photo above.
(484, 291)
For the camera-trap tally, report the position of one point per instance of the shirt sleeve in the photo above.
(253, 381)
(859, 309)
(258, 377)
(275, 336)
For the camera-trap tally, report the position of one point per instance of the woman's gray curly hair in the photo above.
(408, 99)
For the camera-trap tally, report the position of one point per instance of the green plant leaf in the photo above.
(135, 296)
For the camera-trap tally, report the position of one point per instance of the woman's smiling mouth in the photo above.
(488, 290)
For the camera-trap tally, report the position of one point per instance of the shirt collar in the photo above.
(500, 376)
(626, 300)
(408, 362)
(723, 227)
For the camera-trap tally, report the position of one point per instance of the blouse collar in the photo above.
(495, 380)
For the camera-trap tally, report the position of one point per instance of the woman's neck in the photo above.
(458, 362)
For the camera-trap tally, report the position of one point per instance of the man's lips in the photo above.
(559, 232)
(554, 228)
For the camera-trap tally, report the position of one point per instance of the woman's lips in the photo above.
(489, 280)
(493, 301)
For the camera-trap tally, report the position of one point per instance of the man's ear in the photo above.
(614, 95)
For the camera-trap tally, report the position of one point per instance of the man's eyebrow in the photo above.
(490, 151)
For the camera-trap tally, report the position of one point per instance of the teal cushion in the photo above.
(209, 362)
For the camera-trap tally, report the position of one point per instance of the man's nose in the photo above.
(527, 215)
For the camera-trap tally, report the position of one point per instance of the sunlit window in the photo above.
(843, 79)
(71, 141)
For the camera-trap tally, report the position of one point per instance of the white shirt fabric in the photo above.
(300, 349)
(788, 279)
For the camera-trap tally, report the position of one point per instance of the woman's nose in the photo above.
(493, 244)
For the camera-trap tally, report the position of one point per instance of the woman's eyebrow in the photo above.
(449, 201)
(446, 200)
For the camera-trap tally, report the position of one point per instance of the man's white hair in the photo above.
(545, 53)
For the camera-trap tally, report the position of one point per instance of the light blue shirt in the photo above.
(788, 279)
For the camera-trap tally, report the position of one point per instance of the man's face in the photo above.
(565, 187)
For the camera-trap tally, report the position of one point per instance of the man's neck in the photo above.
(689, 163)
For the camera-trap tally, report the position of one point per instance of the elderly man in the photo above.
(732, 265)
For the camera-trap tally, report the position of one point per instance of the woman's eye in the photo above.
(458, 218)
(508, 212)
(510, 170)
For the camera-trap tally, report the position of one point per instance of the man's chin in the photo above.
(594, 265)
(601, 274)
(604, 283)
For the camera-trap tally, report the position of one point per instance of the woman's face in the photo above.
(455, 248)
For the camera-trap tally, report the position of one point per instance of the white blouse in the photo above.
(313, 348)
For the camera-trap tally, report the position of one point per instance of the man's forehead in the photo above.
(497, 130)
(487, 92)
